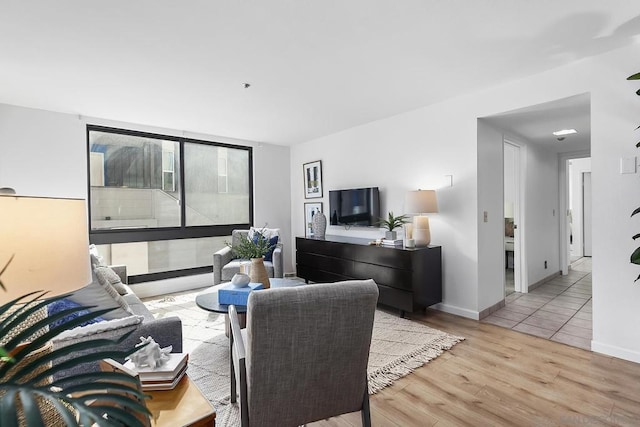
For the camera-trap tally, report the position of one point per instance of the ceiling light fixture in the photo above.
(564, 132)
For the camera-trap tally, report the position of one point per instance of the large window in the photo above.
(153, 189)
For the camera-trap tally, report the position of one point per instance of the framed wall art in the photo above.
(310, 209)
(312, 179)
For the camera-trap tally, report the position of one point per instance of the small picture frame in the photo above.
(310, 209)
(312, 179)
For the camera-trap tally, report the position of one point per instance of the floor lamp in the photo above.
(44, 246)
(420, 202)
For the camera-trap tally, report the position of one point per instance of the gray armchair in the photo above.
(303, 356)
(225, 265)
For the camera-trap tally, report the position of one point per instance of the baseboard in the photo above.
(614, 351)
(545, 280)
(452, 309)
(495, 307)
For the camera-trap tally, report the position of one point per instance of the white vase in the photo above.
(319, 225)
(240, 280)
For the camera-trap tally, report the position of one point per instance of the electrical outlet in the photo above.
(545, 264)
(486, 216)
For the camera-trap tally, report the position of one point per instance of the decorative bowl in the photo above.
(240, 280)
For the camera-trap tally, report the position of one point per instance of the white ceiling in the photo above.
(316, 67)
(538, 122)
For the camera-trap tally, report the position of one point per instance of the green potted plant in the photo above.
(254, 248)
(248, 248)
(391, 223)
(635, 256)
(25, 370)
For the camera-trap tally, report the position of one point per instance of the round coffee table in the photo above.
(208, 300)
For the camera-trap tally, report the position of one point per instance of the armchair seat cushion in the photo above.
(233, 267)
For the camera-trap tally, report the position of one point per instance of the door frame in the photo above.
(519, 252)
(563, 183)
(586, 225)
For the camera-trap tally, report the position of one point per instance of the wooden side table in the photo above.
(183, 406)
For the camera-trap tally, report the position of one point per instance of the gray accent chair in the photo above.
(225, 266)
(303, 356)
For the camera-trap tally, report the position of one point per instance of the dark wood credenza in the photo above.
(408, 279)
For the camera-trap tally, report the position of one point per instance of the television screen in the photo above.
(358, 206)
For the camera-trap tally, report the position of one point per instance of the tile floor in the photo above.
(559, 310)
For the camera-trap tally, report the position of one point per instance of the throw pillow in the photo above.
(266, 232)
(64, 304)
(107, 276)
(109, 329)
(272, 243)
(96, 258)
(103, 296)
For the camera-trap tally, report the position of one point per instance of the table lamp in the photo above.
(44, 246)
(420, 202)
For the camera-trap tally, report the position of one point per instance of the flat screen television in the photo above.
(356, 207)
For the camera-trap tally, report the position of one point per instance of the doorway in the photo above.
(578, 200)
(512, 192)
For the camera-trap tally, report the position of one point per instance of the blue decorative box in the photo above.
(229, 294)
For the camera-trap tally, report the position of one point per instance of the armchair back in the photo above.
(307, 351)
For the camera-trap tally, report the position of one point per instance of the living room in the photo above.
(43, 145)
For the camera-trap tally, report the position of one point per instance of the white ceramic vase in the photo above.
(319, 225)
(240, 280)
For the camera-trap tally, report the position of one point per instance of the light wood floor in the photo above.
(502, 377)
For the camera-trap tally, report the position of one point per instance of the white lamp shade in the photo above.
(44, 246)
(421, 201)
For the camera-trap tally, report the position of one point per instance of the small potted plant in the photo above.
(255, 249)
(248, 248)
(391, 223)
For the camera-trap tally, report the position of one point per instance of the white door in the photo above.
(586, 213)
(512, 216)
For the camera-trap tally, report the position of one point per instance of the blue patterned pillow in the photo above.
(64, 304)
(272, 243)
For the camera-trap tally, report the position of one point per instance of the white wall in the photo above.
(542, 225)
(399, 154)
(43, 153)
(417, 148)
(491, 233)
(578, 167)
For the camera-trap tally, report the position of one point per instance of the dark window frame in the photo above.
(102, 237)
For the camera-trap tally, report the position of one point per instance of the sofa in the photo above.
(225, 265)
(109, 289)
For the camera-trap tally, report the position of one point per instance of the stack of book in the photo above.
(388, 242)
(229, 294)
(164, 377)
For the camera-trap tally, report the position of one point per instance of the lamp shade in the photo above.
(43, 246)
(421, 201)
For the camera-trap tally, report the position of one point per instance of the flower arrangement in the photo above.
(256, 247)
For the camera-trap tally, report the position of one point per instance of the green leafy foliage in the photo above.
(22, 375)
(636, 76)
(247, 248)
(392, 222)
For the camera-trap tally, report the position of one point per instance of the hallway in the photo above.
(559, 310)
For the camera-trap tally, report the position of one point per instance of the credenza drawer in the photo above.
(392, 277)
(402, 300)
